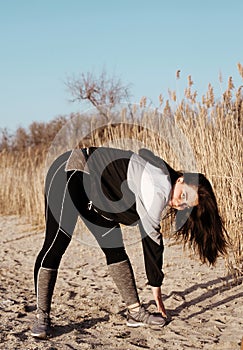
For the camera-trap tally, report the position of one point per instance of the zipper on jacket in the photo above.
(90, 205)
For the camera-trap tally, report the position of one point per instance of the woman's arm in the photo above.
(153, 258)
(158, 299)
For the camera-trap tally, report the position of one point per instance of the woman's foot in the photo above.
(143, 317)
(42, 326)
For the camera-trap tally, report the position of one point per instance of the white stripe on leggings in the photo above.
(69, 236)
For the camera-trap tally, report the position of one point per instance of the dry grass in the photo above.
(22, 178)
(212, 130)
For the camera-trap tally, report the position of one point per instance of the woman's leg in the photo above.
(119, 266)
(109, 237)
(61, 216)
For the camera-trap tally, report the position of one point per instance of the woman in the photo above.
(108, 187)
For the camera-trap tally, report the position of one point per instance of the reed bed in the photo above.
(22, 178)
(213, 131)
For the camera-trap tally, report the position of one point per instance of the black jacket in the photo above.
(112, 197)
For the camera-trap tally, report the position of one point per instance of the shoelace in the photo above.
(141, 315)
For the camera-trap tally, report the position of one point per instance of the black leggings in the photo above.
(65, 200)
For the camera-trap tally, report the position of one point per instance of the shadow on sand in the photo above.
(78, 327)
(213, 287)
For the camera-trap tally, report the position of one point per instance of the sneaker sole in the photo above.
(134, 325)
(43, 335)
(141, 324)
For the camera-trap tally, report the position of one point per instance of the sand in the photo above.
(204, 303)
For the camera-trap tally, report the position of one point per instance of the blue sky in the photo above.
(143, 43)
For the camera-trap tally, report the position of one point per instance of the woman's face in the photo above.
(183, 196)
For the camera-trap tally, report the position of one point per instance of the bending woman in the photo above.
(107, 187)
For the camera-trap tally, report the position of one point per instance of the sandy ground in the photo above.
(205, 305)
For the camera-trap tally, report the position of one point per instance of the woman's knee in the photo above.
(52, 251)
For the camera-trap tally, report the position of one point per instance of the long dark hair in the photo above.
(202, 226)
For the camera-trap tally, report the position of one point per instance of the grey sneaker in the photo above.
(42, 326)
(144, 318)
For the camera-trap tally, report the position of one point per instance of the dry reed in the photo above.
(213, 130)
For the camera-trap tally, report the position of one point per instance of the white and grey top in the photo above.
(151, 188)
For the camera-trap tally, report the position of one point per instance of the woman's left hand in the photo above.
(158, 299)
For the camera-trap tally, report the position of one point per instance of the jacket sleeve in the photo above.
(153, 257)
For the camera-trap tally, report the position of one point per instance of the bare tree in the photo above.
(102, 91)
